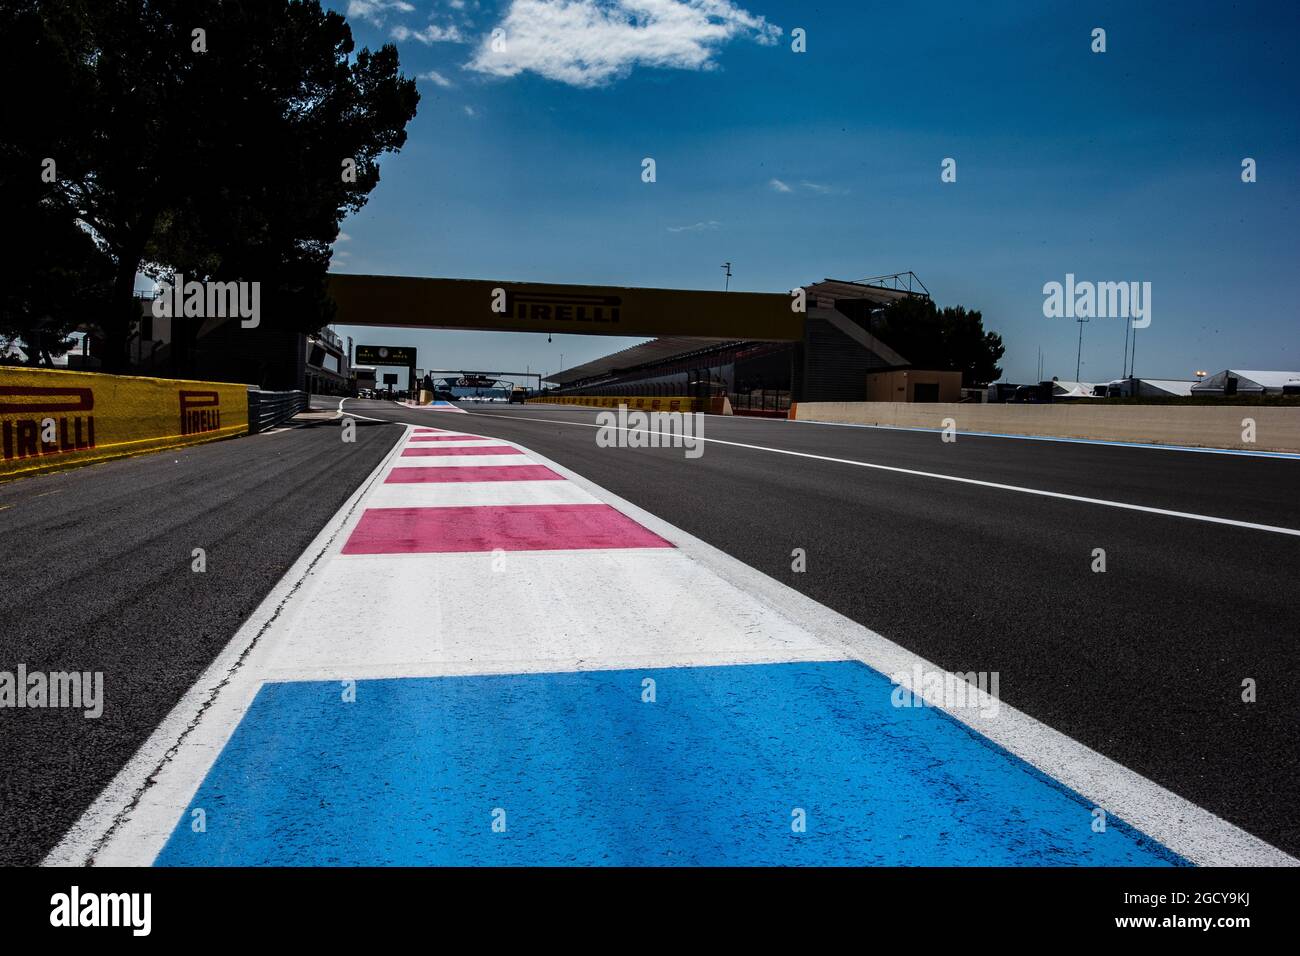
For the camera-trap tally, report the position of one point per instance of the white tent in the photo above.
(1062, 389)
(1246, 382)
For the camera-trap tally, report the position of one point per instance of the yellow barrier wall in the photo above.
(669, 403)
(52, 419)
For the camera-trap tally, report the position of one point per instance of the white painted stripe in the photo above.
(452, 443)
(1151, 446)
(434, 614)
(454, 494)
(1104, 502)
(459, 461)
(340, 413)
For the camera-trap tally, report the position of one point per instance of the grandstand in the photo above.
(762, 377)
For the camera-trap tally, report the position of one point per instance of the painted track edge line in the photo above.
(95, 827)
(1195, 833)
(1149, 446)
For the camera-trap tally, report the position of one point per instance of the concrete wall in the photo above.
(1213, 426)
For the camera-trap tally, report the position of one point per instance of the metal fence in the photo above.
(268, 409)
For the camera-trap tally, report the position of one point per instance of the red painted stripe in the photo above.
(449, 438)
(476, 450)
(486, 528)
(430, 431)
(419, 475)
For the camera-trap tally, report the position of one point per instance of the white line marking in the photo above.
(1150, 446)
(1062, 496)
(340, 413)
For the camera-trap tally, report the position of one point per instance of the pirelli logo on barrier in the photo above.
(52, 419)
(200, 412)
(46, 420)
(568, 307)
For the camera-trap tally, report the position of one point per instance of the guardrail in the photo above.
(268, 409)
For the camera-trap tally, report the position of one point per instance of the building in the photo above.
(913, 385)
(326, 369)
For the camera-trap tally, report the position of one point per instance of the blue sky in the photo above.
(1116, 166)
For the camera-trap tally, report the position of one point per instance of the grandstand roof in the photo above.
(655, 350)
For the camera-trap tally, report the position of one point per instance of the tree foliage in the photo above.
(948, 339)
(206, 137)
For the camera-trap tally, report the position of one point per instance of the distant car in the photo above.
(1030, 395)
(517, 396)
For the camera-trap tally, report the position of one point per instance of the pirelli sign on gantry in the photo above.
(487, 305)
(52, 419)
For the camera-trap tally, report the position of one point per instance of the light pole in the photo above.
(1078, 362)
(727, 285)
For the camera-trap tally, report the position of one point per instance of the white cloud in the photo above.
(696, 227)
(343, 237)
(816, 187)
(430, 34)
(805, 185)
(373, 10)
(593, 42)
(433, 76)
(469, 111)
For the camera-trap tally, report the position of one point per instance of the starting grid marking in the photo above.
(486, 659)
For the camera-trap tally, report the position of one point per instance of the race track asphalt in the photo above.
(1144, 662)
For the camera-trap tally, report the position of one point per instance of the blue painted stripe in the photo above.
(711, 773)
(1058, 438)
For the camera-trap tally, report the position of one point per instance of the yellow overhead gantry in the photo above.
(493, 306)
